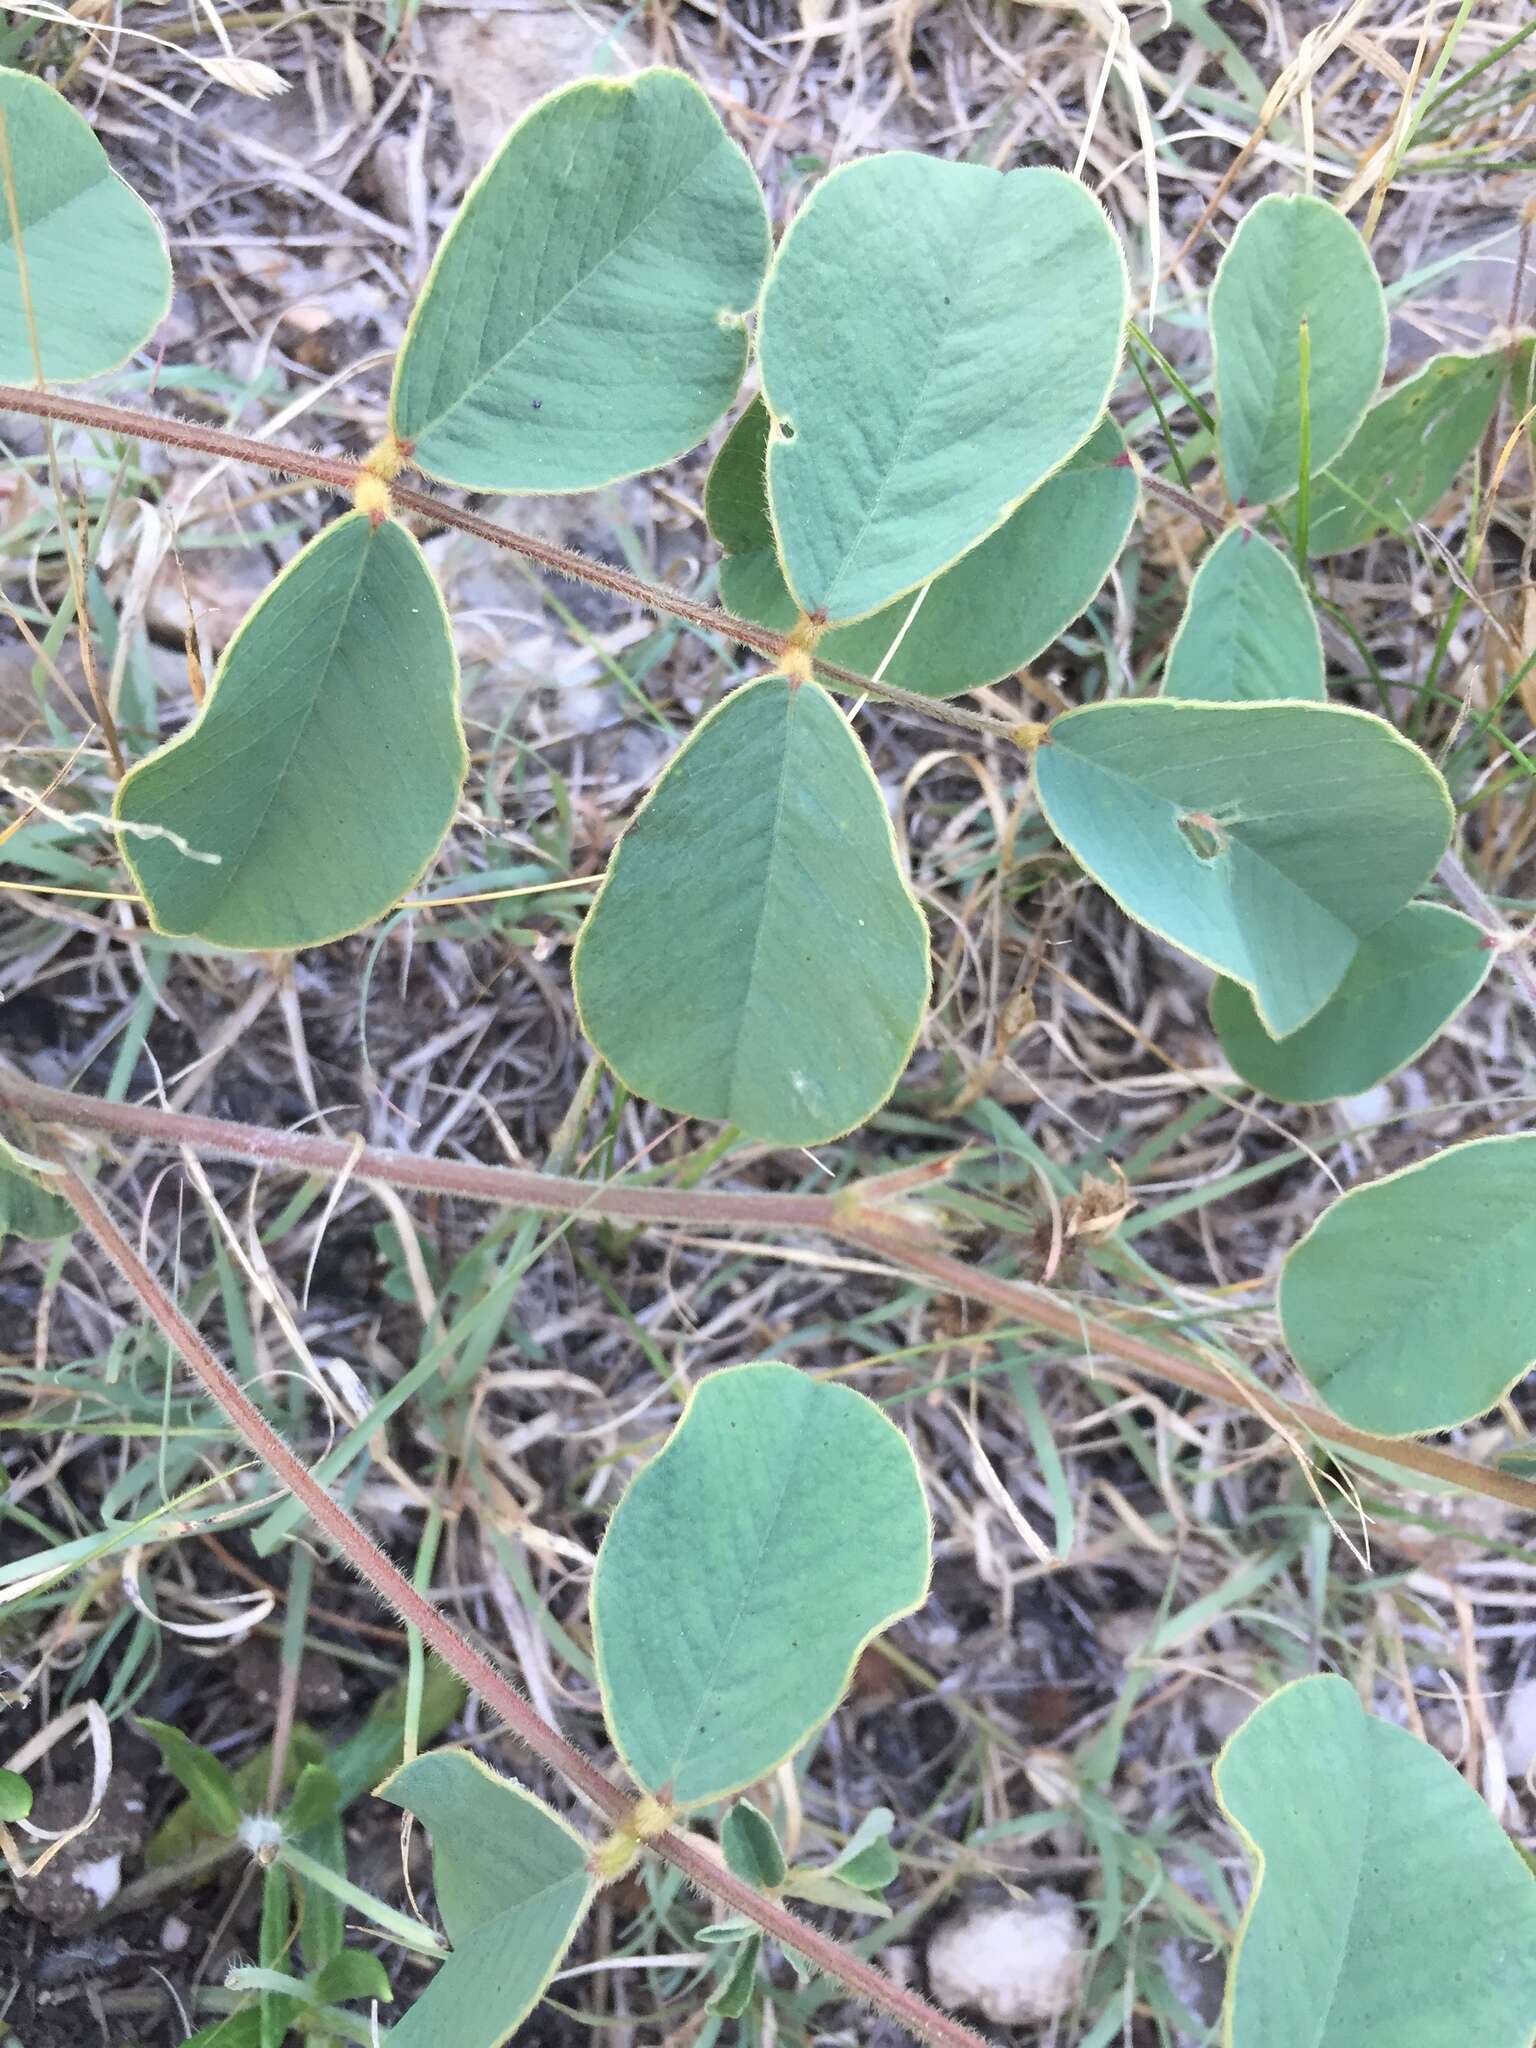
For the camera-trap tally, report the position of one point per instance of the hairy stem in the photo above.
(1186, 501)
(1509, 946)
(863, 1218)
(335, 473)
(1177, 1363)
(394, 1589)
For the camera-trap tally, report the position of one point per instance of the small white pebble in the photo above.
(1359, 1112)
(1517, 1731)
(1013, 1964)
(103, 1879)
(175, 1935)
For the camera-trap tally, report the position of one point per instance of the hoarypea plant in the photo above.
(925, 490)
(780, 1528)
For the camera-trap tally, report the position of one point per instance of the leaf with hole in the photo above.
(585, 318)
(512, 1888)
(1293, 261)
(1265, 839)
(1408, 1304)
(1407, 453)
(97, 272)
(781, 1527)
(995, 610)
(935, 339)
(316, 784)
(1409, 978)
(755, 953)
(1249, 632)
(1388, 1904)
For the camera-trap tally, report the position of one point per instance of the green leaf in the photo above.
(830, 1888)
(97, 272)
(28, 1207)
(201, 1776)
(586, 315)
(322, 1922)
(1249, 632)
(755, 953)
(724, 1933)
(353, 1974)
(735, 1994)
(316, 784)
(1265, 839)
(851, 1882)
(871, 1870)
(1406, 455)
(935, 339)
(512, 1888)
(365, 1757)
(242, 2029)
(751, 1847)
(867, 1861)
(779, 1530)
(1292, 260)
(273, 1940)
(1408, 1304)
(1388, 1904)
(316, 1798)
(1409, 978)
(995, 610)
(15, 1796)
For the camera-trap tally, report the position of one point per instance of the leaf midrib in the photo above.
(571, 1877)
(727, 1640)
(958, 297)
(749, 986)
(1488, 1249)
(1275, 437)
(496, 367)
(1358, 1838)
(98, 174)
(1416, 970)
(228, 877)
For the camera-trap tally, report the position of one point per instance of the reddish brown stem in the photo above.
(508, 1187)
(1522, 259)
(1093, 1335)
(1172, 495)
(394, 1589)
(855, 1216)
(337, 474)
